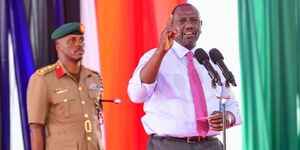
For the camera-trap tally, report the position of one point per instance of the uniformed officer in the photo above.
(64, 98)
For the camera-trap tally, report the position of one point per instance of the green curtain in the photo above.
(269, 34)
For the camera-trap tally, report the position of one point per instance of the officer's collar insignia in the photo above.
(61, 90)
(59, 71)
(94, 87)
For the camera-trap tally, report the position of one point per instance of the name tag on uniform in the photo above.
(94, 87)
(61, 90)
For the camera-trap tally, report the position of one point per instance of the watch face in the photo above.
(229, 118)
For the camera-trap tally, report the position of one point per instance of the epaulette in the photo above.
(98, 74)
(94, 71)
(45, 70)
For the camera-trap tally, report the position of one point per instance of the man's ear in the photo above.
(57, 46)
(200, 26)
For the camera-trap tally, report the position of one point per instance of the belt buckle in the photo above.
(192, 139)
(88, 126)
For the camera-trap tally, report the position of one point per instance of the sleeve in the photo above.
(137, 91)
(232, 105)
(37, 101)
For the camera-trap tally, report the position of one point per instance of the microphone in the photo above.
(217, 58)
(203, 59)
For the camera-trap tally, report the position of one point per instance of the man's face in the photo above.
(187, 22)
(71, 47)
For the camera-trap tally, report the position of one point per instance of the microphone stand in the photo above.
(223, 97)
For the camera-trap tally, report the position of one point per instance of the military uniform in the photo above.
(69, 109)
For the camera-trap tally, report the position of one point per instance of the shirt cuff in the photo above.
(139, 92)
(237, 117)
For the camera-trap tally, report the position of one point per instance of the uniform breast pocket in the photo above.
(94, 94)
(62, 103)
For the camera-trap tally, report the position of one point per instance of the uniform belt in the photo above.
(191, 139)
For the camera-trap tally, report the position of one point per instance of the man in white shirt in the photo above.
(161, 82)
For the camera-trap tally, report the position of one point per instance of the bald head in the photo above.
(183, 5)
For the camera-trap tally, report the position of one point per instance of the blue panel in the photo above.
(24, 65)
(58, 12)
(4, 76)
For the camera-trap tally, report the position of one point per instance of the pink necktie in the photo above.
(198, 96)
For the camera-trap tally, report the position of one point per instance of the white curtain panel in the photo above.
(91, 56)
(16, 136)
(220, 30)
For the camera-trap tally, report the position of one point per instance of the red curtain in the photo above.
(127, 29)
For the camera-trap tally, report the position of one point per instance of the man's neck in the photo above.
(71, 66)
(187, 46)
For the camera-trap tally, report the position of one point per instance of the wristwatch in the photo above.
(230, 119)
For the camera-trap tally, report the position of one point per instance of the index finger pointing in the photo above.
(169, 23)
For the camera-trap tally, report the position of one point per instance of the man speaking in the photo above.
(182, 111)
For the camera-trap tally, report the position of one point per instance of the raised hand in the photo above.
(168, 36)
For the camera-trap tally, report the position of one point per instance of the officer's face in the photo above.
(188, 24)
(71, 47)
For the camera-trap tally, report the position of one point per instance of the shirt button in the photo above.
(65, 100)
(86, 115)
(80, 88)
(89, 138)
(82, 102)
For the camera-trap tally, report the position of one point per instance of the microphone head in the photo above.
(201, 55)
(215, 55)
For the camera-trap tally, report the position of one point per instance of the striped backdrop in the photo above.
(259, 41)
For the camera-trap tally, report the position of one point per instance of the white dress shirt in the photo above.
(168, 102)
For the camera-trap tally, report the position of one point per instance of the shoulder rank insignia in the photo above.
(45, 70)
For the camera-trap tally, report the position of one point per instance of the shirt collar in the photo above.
(61, 70)
(181, 51)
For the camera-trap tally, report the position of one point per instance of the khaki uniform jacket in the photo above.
(66, 107)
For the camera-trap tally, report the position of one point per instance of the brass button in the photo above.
(98, 97)
(80, 88)
(65, 100)
(89, 138)
(82, 102)
(86, 115)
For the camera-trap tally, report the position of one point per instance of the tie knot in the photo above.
(190, 56)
